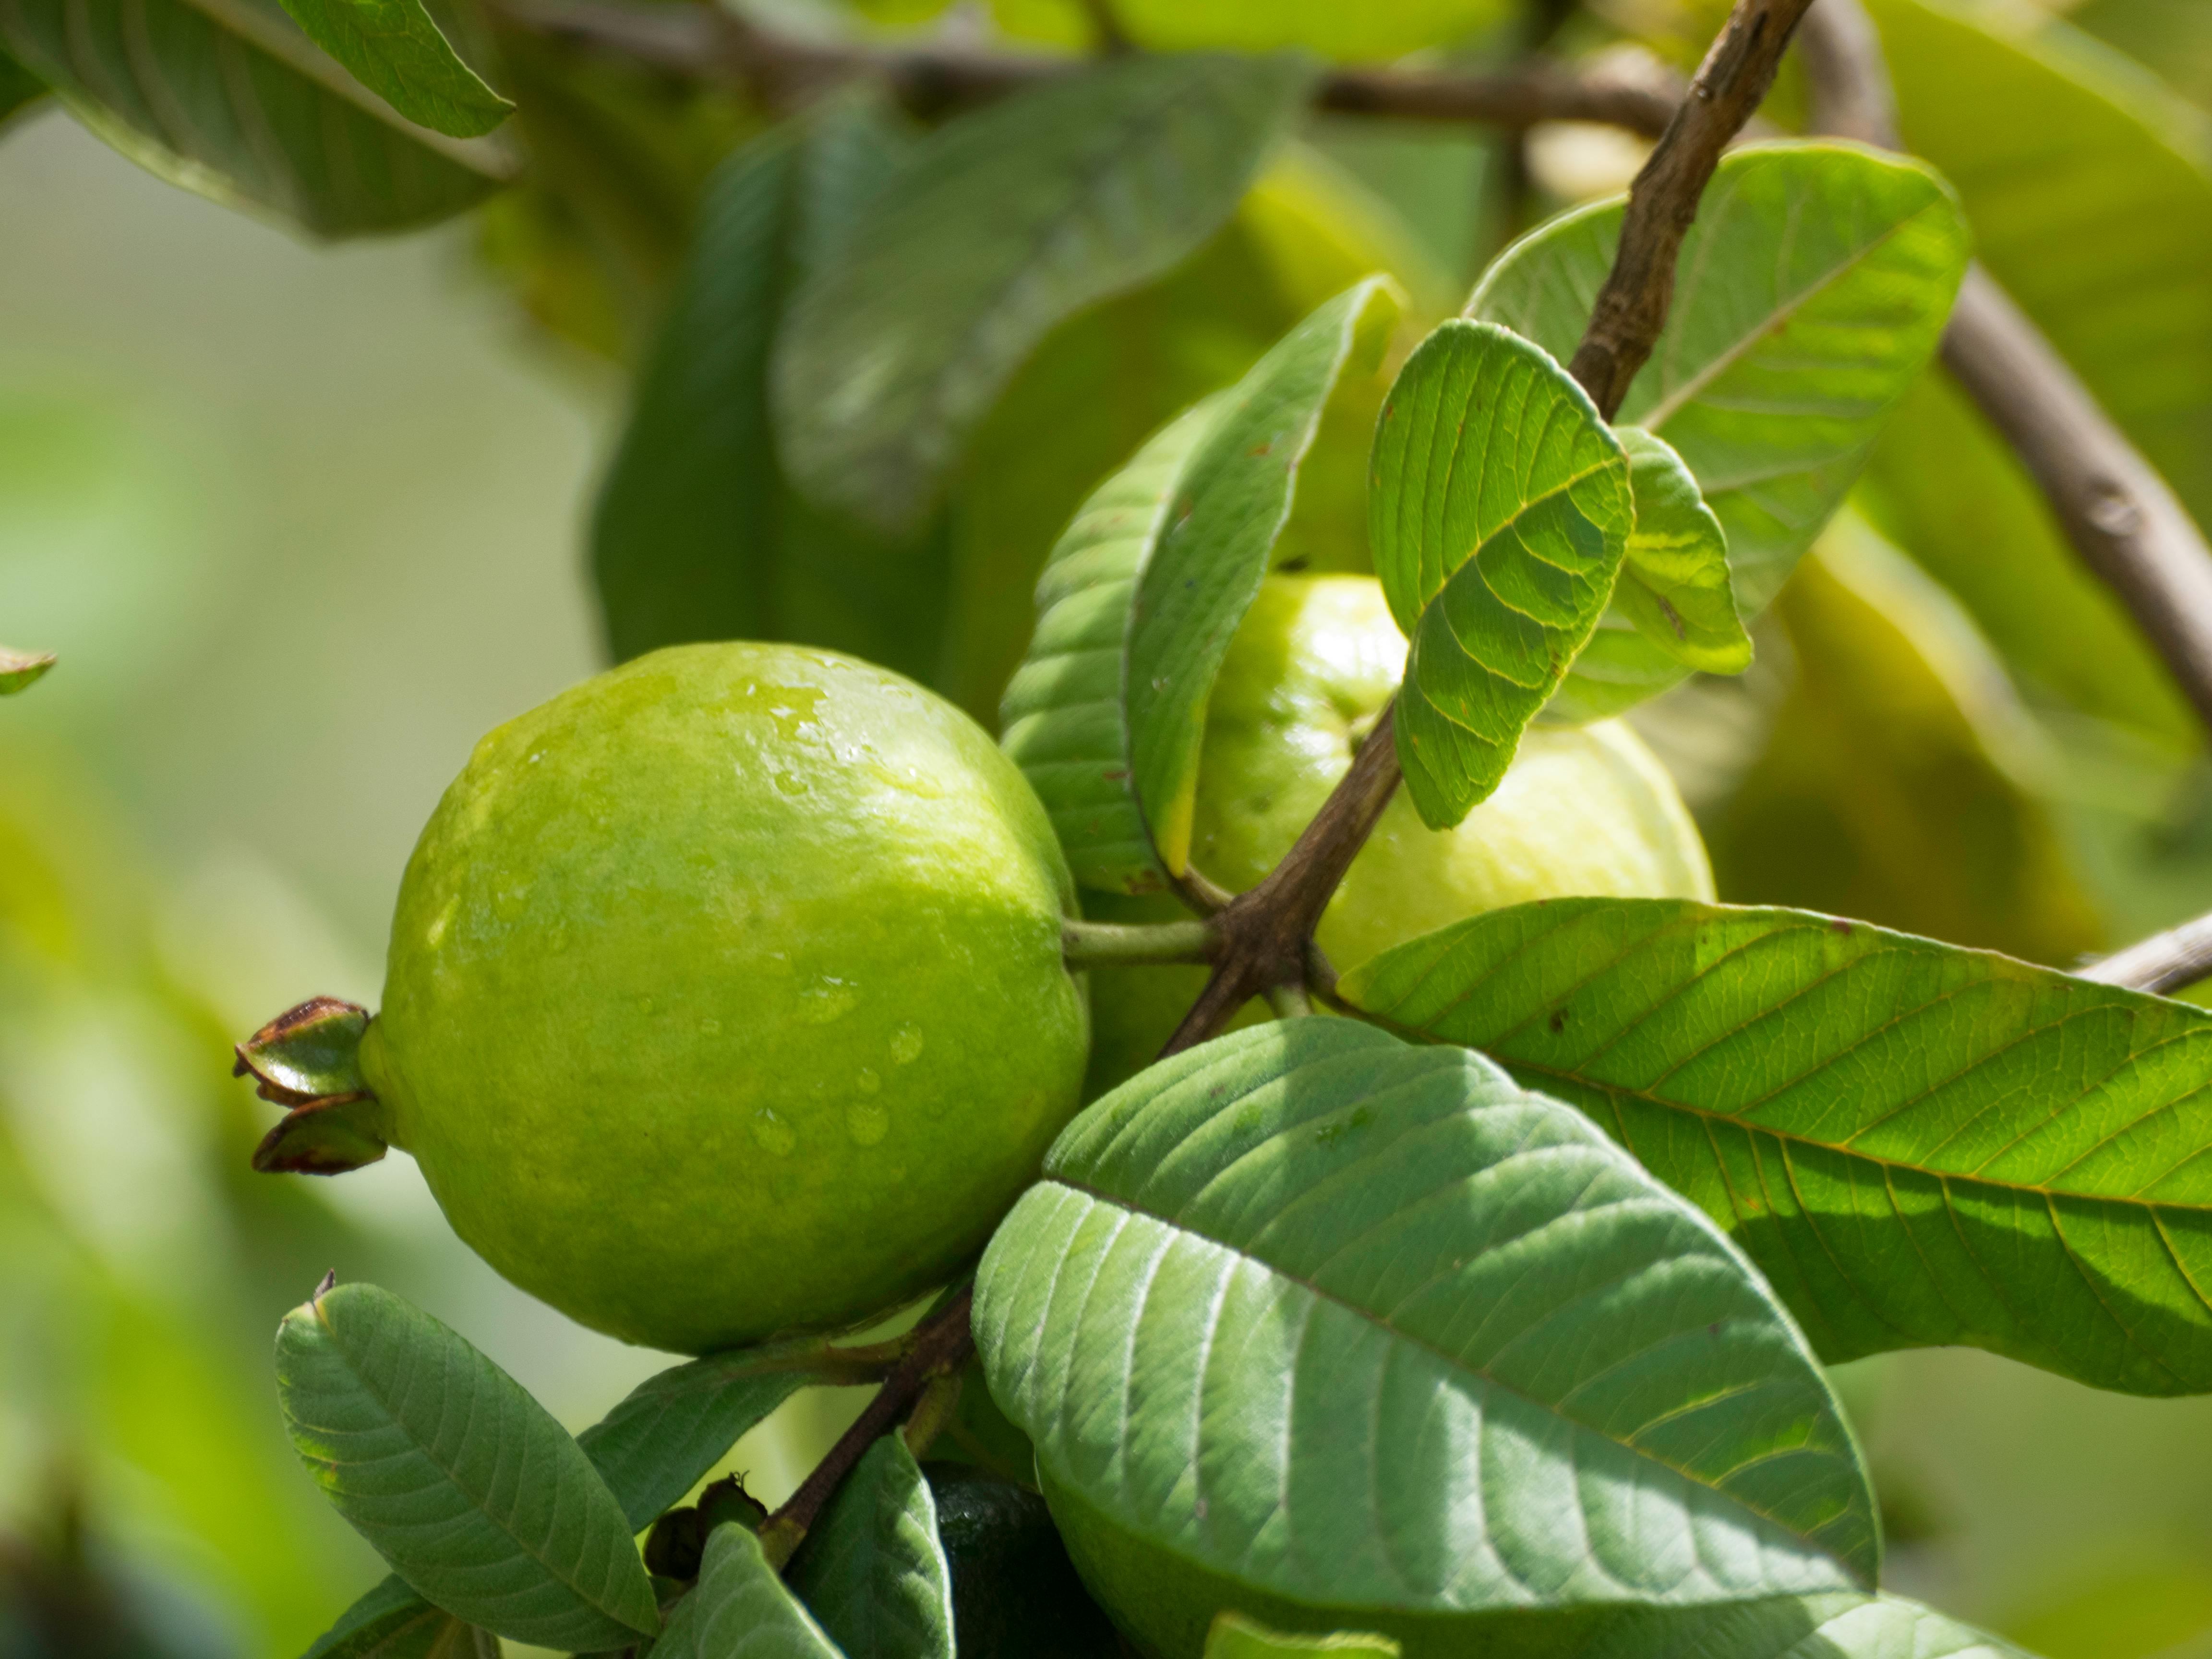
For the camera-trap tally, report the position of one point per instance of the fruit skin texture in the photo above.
(1582, 809)
(726, 995)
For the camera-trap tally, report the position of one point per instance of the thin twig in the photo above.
(711, 44)
(2119, 515)
(1136, 944)
(2164, 961)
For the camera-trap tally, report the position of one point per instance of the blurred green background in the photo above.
(303, 524)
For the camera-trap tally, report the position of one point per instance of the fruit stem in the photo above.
(936, 1347)
(1124, 944)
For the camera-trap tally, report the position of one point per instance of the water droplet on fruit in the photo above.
(906, 1044)
(828, 998)
(868, 1083)
(791, 707)
(790, 783)
(774, 1134)
(866, 1122)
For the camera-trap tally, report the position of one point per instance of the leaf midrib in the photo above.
(1452, 1362)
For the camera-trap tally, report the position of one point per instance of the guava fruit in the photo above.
(1582, 810)
(726, 996)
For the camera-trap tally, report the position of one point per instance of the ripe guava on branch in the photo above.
(1584, 810)
(726, 996)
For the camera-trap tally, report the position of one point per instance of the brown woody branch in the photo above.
(2122, 518)
(1266, 934)
(708, 44)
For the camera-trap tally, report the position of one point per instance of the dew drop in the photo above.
(868, 1083)
(775, 1134)
(906, 1043)
(828, 998)
(866, 1122)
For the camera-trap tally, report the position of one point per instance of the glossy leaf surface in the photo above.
(229, 98)
(1919, 1143)
(871, 1569)
(740, 1609)
(1137, 606)
(1310, 1315)
(1009, 221)
(1805, 1627)
(461, 1481)
(392, 1622)
(394, 49)
(1499, 512)
(1810, 294)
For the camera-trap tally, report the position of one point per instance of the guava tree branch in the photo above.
(1267, 933)
(710, 44)
(2118, 512)
(2164, 961)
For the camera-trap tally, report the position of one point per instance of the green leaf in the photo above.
(392, 1622)
(1807, 1628)
(394, 49)
(872, 1568)
(1235, 1637)
(229, 99)
(1673, 584)
(741, 1609)
(1372, 33)
(461, 1481)
(1009, 221)
(19, 669)
(1811, 292)
(1500, 510)
(1310, 1319)
(697, 536)
(1141, 596)
(19, 90)
(1919, 1143)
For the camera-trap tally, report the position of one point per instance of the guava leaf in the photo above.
(1329, 1319)
(18, 669)
(741, 1609)
(1920, 1143)
(1800, 1627)
(19, 90)
(1811, 292)
(1235, 1637)
(227, 97)
(1673, 584)
(394, 49)
(460, 1480)
(696, 534)
(1499, 511)
(1145, 589)
(1008, 221)
(392, 1622)
(873, 1570)
(1370, 33)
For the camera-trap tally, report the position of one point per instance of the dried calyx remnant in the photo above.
(308, 1058)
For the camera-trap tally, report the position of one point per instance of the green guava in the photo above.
(726, 995)
(1584, 809)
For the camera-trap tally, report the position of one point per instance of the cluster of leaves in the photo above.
(1495, 1314)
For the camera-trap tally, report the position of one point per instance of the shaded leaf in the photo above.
(392, 1622)
(19, 669)
(873, 1570)
(461, 1481)
(1235, 1637)
(1009, 221)
(229, 99)
(1500, 511)
(1899, 781)
(1309, 1319)
(1810, 294)
(1919, 1143)
(741, 1609)
(1144, 592)
(394, 49)
(19, 90)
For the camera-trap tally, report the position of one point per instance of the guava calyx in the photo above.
(308, 1058)
(677, 1542)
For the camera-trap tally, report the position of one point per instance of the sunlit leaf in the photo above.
(1805, 1627)
(1009, 221)
(1500, 509)
(1810, 294)
(230, 99)
(1144, 592)
(1310, 1319)
(1919, 1143)
(1235, 1637)
(871, 1569)
(394, 49)
(740, 1609)
(1673, 580)
(461, 1481)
